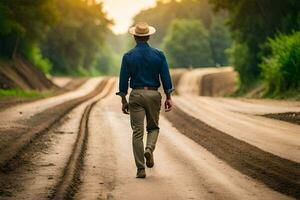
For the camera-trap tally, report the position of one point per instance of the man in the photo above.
(144, 66)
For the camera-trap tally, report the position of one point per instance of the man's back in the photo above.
(144, 66)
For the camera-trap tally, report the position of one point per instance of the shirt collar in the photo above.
(142, 44)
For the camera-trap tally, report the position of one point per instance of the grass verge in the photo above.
(24, 93)
(257, 90)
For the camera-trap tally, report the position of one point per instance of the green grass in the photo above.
(23, 93)
(293, 95)
(244, 89)
(257, 89)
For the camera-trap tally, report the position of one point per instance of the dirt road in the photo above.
(208, 148)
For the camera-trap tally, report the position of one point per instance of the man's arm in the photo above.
(167, 83)
(123, 84)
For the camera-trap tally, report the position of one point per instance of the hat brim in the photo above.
(152, 30)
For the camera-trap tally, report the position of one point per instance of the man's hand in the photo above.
(168, 105)
(125, 107)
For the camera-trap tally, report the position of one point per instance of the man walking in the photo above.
(144, 67)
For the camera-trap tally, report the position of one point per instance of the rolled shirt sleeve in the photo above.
(124, 77)
(165, 76)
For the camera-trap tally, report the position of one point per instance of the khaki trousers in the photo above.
(144, 103)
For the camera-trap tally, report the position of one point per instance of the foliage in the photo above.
(252, 23)
(220, 40)
(23, 23)
(108, 61)
(281, 70)
(162, 15)
(118, 43)
(34, 54)
(68, 35)
(187, 44)
(240, 57)
(74, 43)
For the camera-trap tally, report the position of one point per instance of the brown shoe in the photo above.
(141, 173)
(149, 158)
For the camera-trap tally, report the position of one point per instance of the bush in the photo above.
(219, 38)
(243, 61)
(281, 70)
(34, 54)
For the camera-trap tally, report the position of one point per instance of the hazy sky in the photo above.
(122, 11)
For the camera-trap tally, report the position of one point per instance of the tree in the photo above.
(187, 44)
(74, 43)
(252, 23)
(23, 23)
(163, 14)
(70, 34)
(220, 40)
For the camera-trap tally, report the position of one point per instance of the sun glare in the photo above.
(123, 11)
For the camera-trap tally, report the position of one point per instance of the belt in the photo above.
(145, 88)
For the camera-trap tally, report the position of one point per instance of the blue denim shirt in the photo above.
(144, 66)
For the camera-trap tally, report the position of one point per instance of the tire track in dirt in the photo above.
(292, 117)
(183, 169)
(273, 136)
(39, 124)
(277, 173)
(39, 168)
(68, 185)
(98, 174)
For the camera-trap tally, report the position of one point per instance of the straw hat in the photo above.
(142, 29)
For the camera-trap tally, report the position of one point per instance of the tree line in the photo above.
(190, 32)
(58, 36)
(266, 41)
(260, 38)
